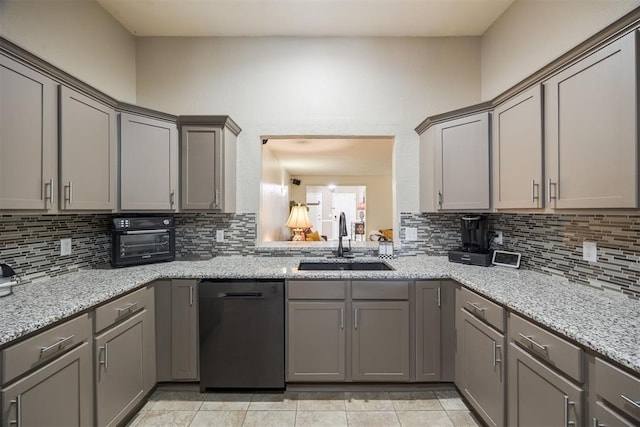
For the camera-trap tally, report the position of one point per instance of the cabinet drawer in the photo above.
(26, 355)
(613, 383)
(482, 308)
(317, 289)
(547, 346)
(123, 307)
(380, 289)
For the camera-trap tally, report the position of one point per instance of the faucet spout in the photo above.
(342, 231)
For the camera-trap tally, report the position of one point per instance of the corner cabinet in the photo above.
(208, 166)
(462, 163)
(591, 115)
(517, 151)
(154, 144)
(28, 138)
(87, 153)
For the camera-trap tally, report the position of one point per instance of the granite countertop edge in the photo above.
(583, 314)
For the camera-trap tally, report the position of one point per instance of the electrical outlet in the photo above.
(497, 238)
(590, 251)
(65, 247)
(219, 235)
(411, 233)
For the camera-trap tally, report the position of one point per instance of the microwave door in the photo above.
(144, 245)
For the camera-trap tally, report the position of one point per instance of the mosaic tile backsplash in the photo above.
(550, 244)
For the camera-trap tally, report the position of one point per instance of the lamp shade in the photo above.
(298, 218)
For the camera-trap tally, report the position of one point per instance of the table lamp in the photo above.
(298, 221)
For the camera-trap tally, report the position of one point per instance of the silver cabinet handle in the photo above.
(438, 297)
(568, 403)
(531, 341)
(217, 199)
(440, 199)
(57, 345)
(50, 188)
(476, 307)
(342, 318)
(355, 323)
(127, 308)
(549, 185)
(632, 402)
(172, 197)
(596, 423)
(496, 347)
(69, 199)
(18, 402)
(535, 196)
(105, 351)
(190, 296)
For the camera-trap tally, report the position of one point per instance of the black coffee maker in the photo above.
(475, 242)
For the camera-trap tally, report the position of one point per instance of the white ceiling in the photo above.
(393, 18)
(333, 156)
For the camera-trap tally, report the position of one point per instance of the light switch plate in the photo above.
(65, 247)
(590, 251)
(411, 233)
(219, 235)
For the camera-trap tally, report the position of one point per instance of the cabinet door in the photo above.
(184, 334)
(517, 151)
(28, 138)
(590, 130)
(380, 341)
(316, 341)
(201, 168)
(87, 153)
(58, 394)
(154, 144)
(462, 163)
(428, 199)
(428, 331)
(120, 369)
(538, 396)
(482, 377)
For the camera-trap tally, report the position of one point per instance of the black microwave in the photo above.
(142, 240)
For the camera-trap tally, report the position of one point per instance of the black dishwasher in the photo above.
(241, 326)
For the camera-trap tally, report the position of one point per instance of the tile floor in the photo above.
(168, 407)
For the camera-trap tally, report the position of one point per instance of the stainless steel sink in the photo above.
(353, 265)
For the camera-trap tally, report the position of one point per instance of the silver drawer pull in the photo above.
(18, 402)
(57, 345)
(105, 361)
(127, 308)
(532, 342)
(630, 401)
(496, 347)
(568, 403)
(342, 318)
(476, 307)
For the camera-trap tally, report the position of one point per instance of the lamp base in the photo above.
(298, 235)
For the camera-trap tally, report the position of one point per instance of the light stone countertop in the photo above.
(608, 323)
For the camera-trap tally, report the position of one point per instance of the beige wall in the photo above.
(379, 195)
(79, 37)
(532, 33)
(312, 86)
(274, 206)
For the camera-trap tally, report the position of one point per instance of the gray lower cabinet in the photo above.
(480, 367)
(427, 330)
(617, 396)
(154, 144)
(87, 153)
(58, 394)
(380, 341)
(316, 341)
(539, 396)
(124, 356)
(29, 138)
(184, 330)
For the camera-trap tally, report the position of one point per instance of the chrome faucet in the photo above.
(342, 231)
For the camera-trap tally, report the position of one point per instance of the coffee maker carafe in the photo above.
(475, 242)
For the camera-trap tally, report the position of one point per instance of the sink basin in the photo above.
(357, 266)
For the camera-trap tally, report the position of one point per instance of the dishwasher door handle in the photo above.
(241, 295)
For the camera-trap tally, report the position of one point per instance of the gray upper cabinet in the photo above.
(380, 341)
(28, 138)
(462, 163)
(87, 153)
(184, 330)
(208, 170)
(427, 330)
(428, 196)
(591, 130)
(517, 151)
(148, 163)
